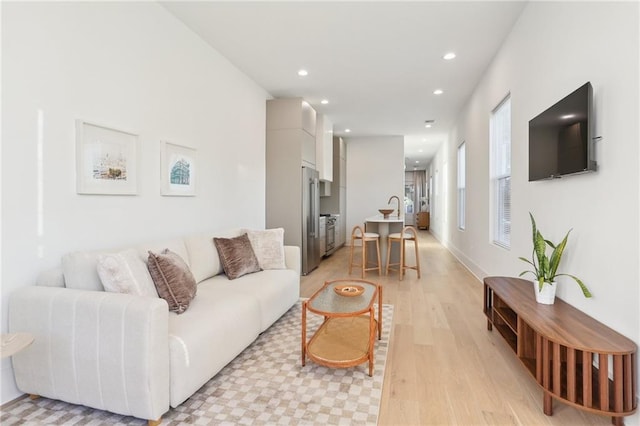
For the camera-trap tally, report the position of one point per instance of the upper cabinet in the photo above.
(291, 113)
(291, 130)
(324, 147)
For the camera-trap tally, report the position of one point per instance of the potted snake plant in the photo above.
(545, 269)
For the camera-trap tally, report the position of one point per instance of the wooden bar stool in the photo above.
(409, 233)
(366, 237)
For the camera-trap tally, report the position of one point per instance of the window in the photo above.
(461, 185)
(500, 137)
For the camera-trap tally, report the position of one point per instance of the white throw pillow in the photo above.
(125, 272)
(268, 245)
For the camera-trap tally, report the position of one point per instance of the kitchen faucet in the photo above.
(397, 198)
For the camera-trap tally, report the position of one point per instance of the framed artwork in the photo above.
(178, 170)
(106, 160)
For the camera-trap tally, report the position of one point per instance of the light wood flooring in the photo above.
(444, 367)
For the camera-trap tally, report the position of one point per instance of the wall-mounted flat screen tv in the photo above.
(560, 141)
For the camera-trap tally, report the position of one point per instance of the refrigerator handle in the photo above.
(313, 207)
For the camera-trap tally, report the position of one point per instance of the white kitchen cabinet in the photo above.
(291, 113)
(291, 130)
(341, 225)
(336, 202)
(324, 147)
(308, 150)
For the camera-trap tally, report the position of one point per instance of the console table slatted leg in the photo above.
(603, 380)
(634, 379)
(571, 374)
(547, 403)
(539, 358)
(618, 399)
(587, 379)
(557, 367)
(628, 379)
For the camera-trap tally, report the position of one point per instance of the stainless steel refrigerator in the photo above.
(310, 220)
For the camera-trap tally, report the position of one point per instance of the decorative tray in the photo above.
(349, 290)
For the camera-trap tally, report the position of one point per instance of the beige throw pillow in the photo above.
(268, 245)
(237, 256)
(125, 272)
(173, 279)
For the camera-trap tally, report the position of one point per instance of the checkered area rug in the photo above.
(264, 385)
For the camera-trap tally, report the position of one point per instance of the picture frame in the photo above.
(106, 160)
(178, 170)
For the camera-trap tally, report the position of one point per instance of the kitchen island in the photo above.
(384, 227)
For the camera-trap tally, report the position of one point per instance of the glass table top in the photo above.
(327, 301)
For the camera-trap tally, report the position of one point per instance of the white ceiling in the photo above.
(377, 63)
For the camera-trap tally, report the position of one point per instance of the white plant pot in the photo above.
(547, 295)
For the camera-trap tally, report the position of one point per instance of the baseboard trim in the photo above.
(464, 260)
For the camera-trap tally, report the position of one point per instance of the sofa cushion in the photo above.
(173, 279)
(275, 291)
(219, 324)
(80, 270)
(203, 255)
(237, 256)
(268, 246)
(125, 272)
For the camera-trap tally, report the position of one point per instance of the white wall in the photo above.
(553, 49)
(375, 172)
(134, 67)
(440, 206)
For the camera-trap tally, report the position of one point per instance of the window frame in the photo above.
(462, 185)
(500, 129)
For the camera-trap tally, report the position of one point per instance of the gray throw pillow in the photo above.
(237, 256)
(173, 279)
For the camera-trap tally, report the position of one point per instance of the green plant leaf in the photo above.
(544, 270)
(526, 272)
(583, 287)
(550, 244)
(540, 248)
(556, 256)
(534, 228)
(526, 260)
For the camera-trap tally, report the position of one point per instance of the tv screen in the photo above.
(560, 140)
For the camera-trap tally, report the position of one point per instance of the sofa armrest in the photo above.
(104, 350)
(292, 258)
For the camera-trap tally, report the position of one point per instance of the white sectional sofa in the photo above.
(128, 354)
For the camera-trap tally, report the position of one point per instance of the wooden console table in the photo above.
(573, 357)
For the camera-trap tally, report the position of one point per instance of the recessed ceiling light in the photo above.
(438, 92)
(566, 117)
(417, 161)
(428, 125)
(347, 130)
(303, 73)
(449, 56)
(324, 102)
